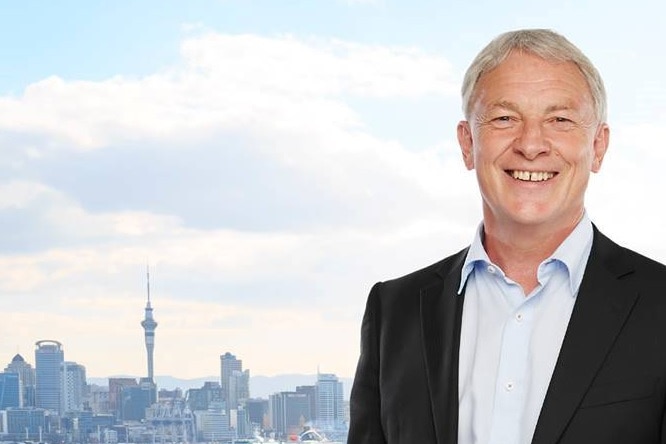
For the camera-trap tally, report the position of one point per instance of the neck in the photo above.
(519, 250)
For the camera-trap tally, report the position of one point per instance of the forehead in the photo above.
(528, 77)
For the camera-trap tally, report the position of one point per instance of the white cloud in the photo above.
(625, 196)
(226, 81)
(79, 245)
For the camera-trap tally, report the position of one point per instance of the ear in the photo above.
(601, 140)
(466, 143)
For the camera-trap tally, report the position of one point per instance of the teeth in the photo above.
(532, 176)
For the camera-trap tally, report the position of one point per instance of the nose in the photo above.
(530, 141)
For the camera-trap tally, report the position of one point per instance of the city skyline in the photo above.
(266, 385)
(67, 406)
(271, 161)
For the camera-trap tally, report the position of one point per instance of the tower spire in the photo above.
(148, 283)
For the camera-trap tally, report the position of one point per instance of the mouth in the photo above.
(531, 176)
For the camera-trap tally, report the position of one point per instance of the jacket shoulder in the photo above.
(621, 258)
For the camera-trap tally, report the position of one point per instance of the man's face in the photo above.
(533, 138)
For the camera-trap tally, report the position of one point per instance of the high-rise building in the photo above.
(330, 402)
(239, 388)
(74, 386)
(136, 399)
(235, 382)
(10, 390)
(49, 357)
(257, 412)
(116, 386)
(311, 392)
(149, 325)
(228, 365)
(99, 398)
(200, 399)
(289, 412)
(213, 424)
(26, 379)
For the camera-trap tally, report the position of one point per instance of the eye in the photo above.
(562, 123)
(502, 121)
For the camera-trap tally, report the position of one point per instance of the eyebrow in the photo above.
(511, 106)
(505, 104)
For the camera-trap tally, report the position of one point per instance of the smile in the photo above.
(531, 176)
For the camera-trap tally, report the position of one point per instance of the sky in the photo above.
(269, 161)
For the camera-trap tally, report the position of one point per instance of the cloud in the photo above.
(247, 176)
(226, 81)
(624, 197)
(245, 126)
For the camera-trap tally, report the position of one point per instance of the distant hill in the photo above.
(260, 386)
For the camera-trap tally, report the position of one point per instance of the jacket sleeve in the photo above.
(365, 403)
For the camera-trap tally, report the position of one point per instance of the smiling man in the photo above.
(543, 330)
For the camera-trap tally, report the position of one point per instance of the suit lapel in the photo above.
(602, 306)
(441, 314)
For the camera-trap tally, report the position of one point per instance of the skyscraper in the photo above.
(49, 356)
(289, 412)
(228, 364)
(10, 390)
(26, 378)
(73, 386)
(330, 402)
(116, 386)
(149, 325)
(234, 381)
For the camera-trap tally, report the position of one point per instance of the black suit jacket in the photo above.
(609, 382)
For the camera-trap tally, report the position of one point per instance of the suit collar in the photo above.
(604, 301)
(441, 315)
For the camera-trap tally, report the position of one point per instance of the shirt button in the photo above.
(519, 317)
(508, 386)
(491, 269)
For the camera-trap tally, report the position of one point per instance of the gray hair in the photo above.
(543, 43)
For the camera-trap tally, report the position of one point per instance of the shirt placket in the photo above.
(511, 382)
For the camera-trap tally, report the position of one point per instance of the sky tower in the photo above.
(149, 325)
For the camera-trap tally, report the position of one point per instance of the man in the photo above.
(543, 330)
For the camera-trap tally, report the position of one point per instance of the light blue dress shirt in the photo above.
(510, 341)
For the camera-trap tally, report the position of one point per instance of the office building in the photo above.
(77, 425)
(239, 388)
(213, 424)
(330, 402)
(10, 390)
(99, 398)
(257, 412)
(136, 399)
(200, 399)
(74, 387)
(49, 357)
(311, 392)
(26, 379)
(26, 424)
(116, 387)
(235, 382)
(289, 412)
(228, 365)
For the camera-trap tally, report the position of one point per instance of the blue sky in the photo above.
(271, 160)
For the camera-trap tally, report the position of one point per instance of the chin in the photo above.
(532, 216)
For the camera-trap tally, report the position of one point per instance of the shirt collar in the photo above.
(573, 252)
